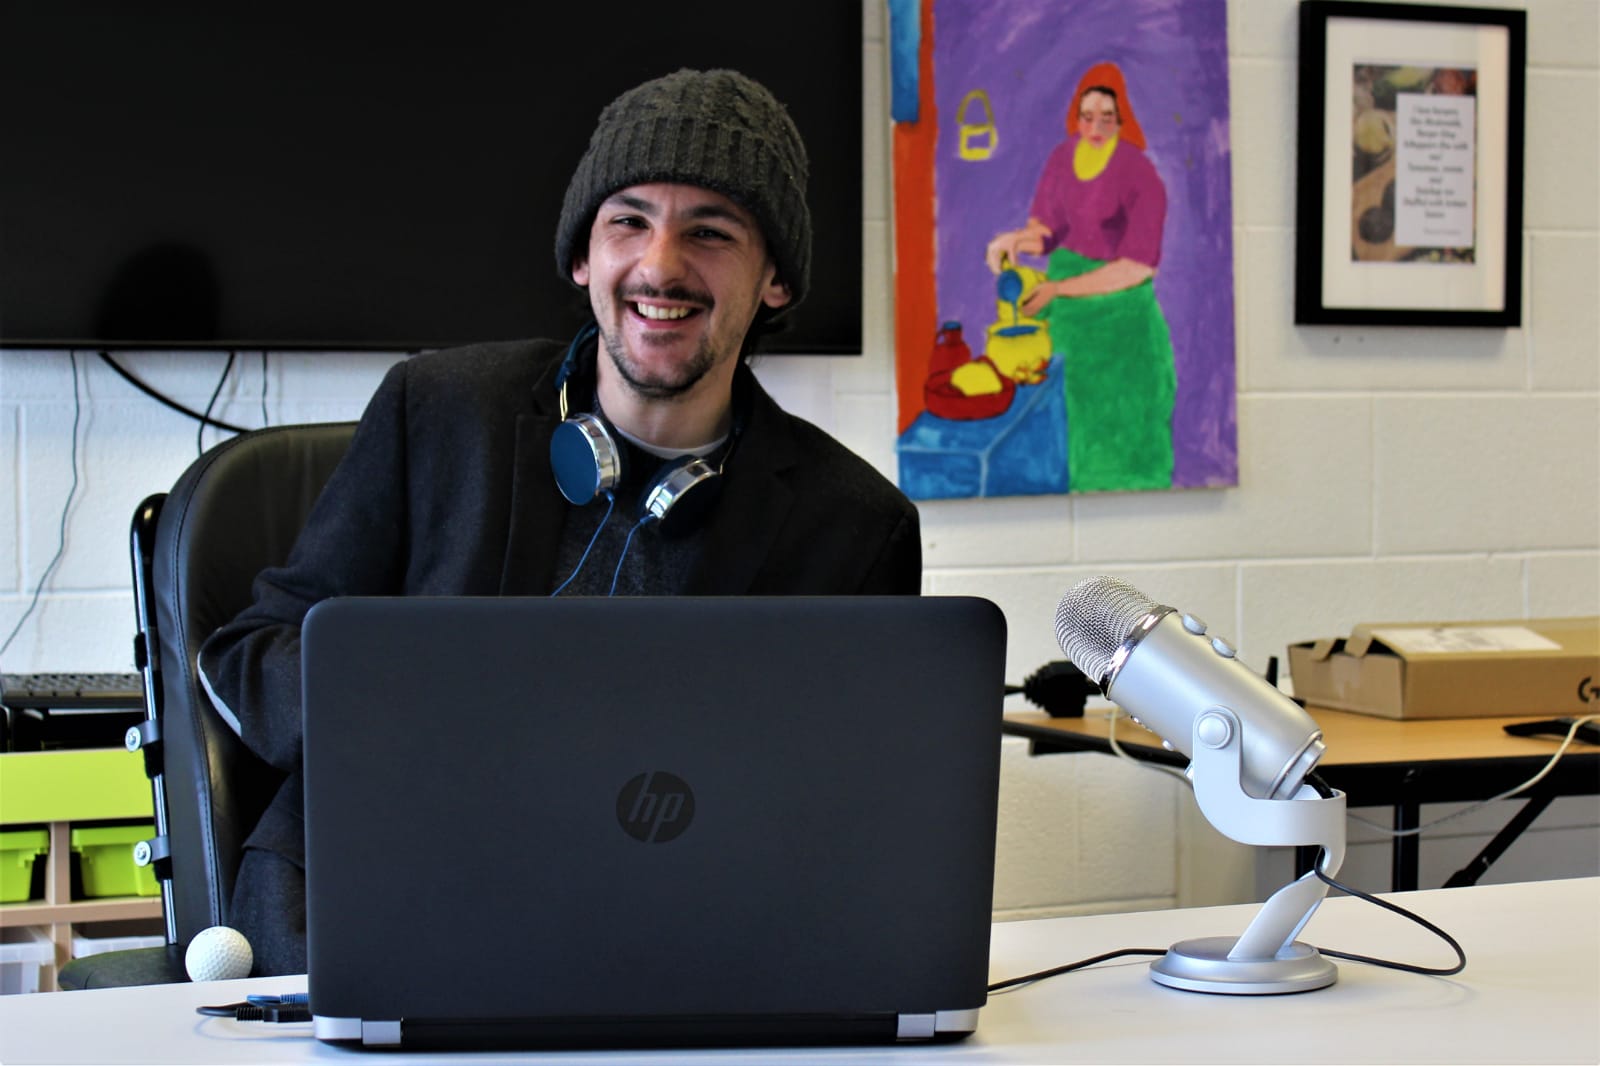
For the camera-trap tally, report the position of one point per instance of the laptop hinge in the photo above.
(378, 1034)
(927, 1026)
(325, 1028)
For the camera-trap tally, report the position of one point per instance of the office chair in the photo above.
(195, 551)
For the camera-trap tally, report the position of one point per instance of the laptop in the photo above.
(692, 821)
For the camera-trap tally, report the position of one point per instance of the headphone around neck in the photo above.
(588, 463)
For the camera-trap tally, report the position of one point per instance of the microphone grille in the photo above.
(1094, 618)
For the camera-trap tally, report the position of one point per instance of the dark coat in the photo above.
(447, 490)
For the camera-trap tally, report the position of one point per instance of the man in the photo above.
(472, 470)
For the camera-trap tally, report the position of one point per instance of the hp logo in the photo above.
(654, 808)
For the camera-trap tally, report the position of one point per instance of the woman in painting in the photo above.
(1097, 213)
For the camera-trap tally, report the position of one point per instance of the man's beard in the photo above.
(689, 374)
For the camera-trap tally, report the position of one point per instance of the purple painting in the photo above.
(1017, 84)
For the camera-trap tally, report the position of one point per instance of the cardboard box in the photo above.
(1534, 667)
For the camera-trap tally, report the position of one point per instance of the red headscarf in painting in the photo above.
(1108, 75)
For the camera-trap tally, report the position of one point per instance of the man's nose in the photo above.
(663, 259)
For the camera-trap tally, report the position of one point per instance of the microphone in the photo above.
(218, 954)
(1166, 671)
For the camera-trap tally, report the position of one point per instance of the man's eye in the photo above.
(708, 234)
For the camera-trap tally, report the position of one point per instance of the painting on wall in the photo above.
(1063, 246)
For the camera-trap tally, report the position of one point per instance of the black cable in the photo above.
(1054, 971)
(1434, 971)
(66, 509)
(259, 1012)
(199, 434)
(265, 421)
(1431, 971)
(167, 401)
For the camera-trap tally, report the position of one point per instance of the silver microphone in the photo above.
(1165, 670)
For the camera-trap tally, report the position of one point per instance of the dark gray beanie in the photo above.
(716, 129)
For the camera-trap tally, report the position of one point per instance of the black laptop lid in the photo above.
(641, 819)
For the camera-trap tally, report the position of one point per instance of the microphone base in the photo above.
(1203, 966)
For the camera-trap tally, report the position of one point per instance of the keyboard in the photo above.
(71, 692)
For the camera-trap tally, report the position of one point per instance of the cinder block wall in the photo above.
(1384, 474)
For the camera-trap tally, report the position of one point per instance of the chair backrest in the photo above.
(237, 510)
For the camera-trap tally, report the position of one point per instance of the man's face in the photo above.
(1098, 120)
(675, 275)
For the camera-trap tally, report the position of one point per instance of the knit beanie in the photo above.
(716, 129)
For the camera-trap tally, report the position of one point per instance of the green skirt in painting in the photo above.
(1120, 382)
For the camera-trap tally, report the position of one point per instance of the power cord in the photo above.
(1118, 750)
(295, 1007)
(1577, 723)
(200, 432)
(167, 401)
(1431, 971)
(1028, 979)
(265, 421)
(1322, 789)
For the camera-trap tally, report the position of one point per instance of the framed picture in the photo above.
(1409, 198)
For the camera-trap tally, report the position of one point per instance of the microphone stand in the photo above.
(1266, 959)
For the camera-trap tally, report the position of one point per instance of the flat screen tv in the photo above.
(348, 176)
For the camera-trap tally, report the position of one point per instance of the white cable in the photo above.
(1469, 808)
(1111, 738)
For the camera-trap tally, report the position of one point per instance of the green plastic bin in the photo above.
(105, 857)
(19, 848)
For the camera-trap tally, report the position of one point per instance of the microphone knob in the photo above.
(1194, 625)
(1213, 730)
(1222, 648)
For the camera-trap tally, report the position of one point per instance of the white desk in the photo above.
(1530, 993)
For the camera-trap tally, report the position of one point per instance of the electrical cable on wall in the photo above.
(200, 433)
(204, 419)
(66, 509)
(265, 421)
(165, 400)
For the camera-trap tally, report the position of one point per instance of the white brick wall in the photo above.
(1384, 474)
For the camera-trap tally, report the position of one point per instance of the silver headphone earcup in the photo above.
(584, 458)
(681, 494)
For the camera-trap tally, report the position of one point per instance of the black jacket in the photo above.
(447, 490)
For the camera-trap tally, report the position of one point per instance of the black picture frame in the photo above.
(1355, 58)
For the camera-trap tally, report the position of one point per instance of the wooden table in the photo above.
(1400, 764)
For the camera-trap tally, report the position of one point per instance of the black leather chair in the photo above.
(196, 550)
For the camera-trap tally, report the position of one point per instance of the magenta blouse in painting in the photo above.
(1118, 214)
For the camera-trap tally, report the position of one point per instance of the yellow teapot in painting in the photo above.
(1018, 345)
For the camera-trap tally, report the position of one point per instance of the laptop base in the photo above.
(612, 1032)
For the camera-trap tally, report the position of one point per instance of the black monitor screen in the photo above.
(362, 175)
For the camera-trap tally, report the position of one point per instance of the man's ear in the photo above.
(775, 293)
(580, 270)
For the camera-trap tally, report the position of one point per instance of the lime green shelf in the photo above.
(73, 786)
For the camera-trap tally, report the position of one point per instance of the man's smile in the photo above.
(662, 314)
